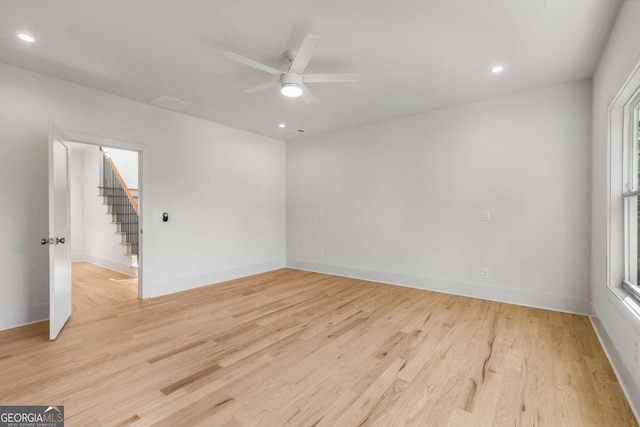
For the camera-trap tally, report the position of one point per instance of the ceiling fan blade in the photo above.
(331, 78)
(262, 87)
(307, 95)
(304, 54)
(251, 63)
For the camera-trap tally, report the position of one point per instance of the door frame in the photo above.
(143, 184)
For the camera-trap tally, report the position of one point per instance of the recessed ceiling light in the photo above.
(26, 37)
(282, 125)
(497, 69)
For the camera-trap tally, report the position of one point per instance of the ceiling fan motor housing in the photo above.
(291, 79)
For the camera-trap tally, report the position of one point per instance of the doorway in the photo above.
(105, 202)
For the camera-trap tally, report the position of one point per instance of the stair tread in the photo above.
(119, 188)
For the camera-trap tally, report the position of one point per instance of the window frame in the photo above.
(631, 192)
(617, 262)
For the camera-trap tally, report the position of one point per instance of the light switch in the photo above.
(486, 215)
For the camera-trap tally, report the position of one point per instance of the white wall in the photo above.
(224, 189)
(618, 327)
(402, 200)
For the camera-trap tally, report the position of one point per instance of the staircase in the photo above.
(122, 205)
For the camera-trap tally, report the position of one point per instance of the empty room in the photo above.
(299, 213)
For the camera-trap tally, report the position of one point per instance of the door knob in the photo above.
(60, 240)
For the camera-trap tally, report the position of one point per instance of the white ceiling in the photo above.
(413, 55)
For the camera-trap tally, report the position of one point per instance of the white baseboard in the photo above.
(493, 293)
(20, 316)
(170, 286)
(628, 385)
(105, 263)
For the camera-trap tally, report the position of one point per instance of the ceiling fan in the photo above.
(293, 82)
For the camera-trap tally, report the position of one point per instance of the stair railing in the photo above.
(117, 177)
(121, 204)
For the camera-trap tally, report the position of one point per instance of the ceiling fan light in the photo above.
(291, 90)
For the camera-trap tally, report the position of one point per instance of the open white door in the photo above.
(59, 227)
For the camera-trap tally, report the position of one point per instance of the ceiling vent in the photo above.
(169, 103)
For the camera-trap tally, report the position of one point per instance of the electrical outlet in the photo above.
(321, 253)
(486, 215)
(485, 273)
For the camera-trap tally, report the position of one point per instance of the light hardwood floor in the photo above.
(297, 348)
(96, 287)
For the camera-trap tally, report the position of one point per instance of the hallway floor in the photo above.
(95, 287)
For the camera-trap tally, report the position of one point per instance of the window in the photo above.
(631, 192)
(623, 194)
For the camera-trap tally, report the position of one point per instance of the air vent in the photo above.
(169, 103)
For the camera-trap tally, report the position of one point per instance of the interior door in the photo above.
(59, 227)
